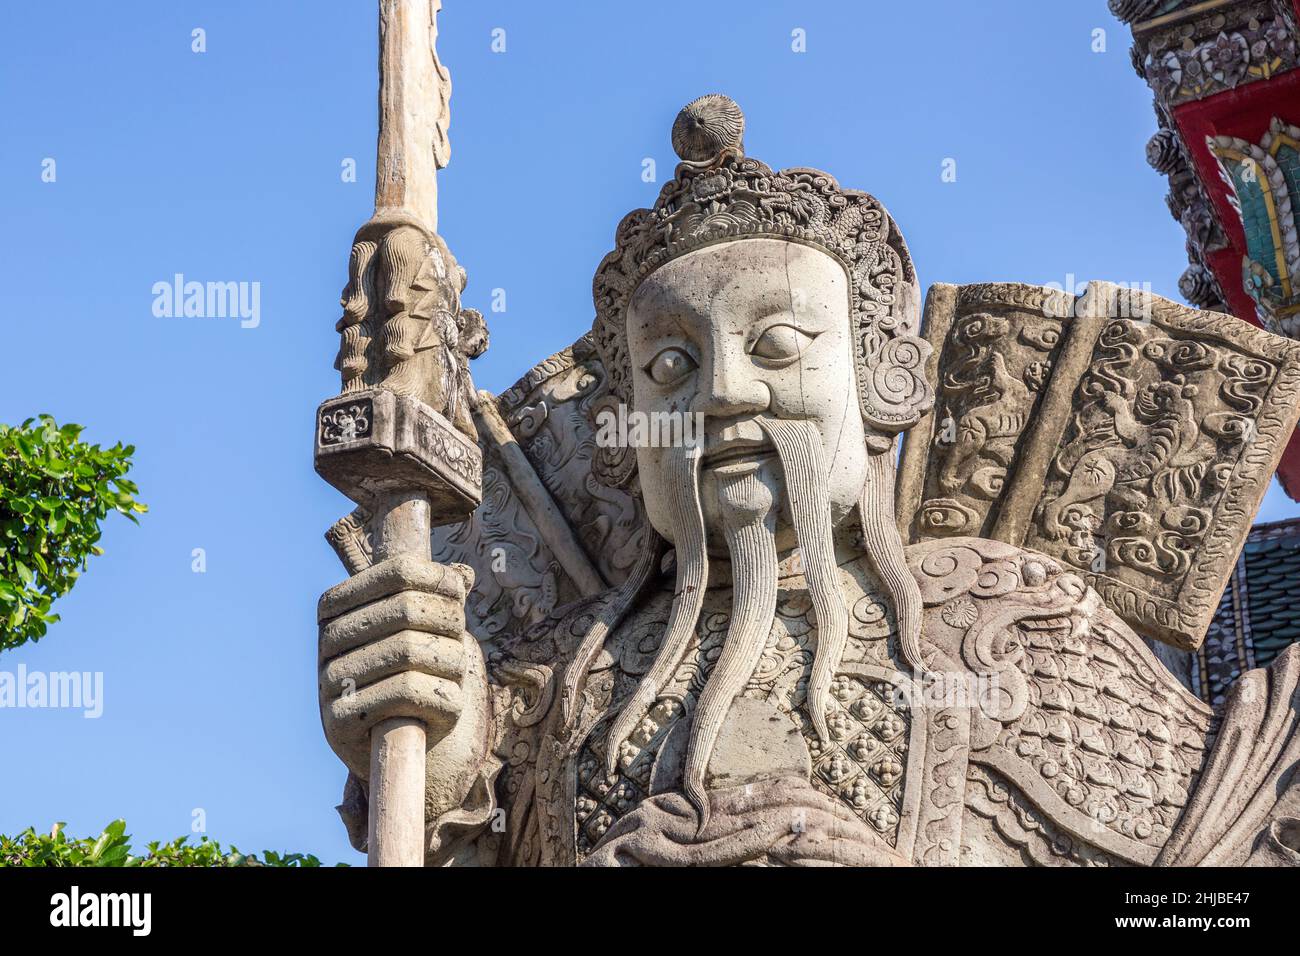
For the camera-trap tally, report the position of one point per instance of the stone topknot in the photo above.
(708, 126)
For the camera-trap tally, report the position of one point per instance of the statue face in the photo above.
(743, 329)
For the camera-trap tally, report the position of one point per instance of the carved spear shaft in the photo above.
(384, 447)
(413, 97)
(397, 746)
(413, 94)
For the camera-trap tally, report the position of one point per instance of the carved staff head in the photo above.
(403, 328)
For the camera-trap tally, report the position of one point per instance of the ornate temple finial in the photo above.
(708, 126)
(1130, 10)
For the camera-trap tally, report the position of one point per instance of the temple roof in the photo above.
(1259, 613)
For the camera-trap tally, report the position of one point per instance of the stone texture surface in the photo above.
(771, 676)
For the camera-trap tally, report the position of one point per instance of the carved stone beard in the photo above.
(884, 547)
(749, 511)
(803, 461)
(692, 579)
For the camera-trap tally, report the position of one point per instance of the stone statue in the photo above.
(740, 649)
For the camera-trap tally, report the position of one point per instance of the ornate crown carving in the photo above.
(719, 194)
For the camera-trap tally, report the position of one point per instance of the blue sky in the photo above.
(225, 166)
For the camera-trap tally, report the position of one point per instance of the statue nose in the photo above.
(731, 387)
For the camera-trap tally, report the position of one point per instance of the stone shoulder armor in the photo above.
(1069, 707)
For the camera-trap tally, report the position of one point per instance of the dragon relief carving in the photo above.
(1159, 425)
(520, 582)
(995, 367)
(1074, 714)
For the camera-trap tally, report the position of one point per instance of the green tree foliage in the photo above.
(54, 491)
(113, 848)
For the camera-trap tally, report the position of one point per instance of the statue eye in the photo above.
(781, 343)
(669, 366)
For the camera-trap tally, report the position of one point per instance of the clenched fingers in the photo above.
(404, 651)
(405, 572)
(434, 700)
(408, 611)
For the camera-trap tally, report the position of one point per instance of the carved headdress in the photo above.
(719, 194)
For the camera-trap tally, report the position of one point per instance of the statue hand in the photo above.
(393, 644)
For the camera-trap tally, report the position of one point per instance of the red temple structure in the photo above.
(1227, 100)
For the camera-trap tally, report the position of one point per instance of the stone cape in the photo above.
(1085, 752)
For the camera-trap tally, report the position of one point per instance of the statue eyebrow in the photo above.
(684, 327)
(804, 321)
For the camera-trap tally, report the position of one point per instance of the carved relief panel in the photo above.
(1141, 461)
(994, 350)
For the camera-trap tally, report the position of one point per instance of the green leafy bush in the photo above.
(54, 492)
(113, 848)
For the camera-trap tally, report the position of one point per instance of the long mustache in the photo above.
(800, 448)
(692, 579)
(752, 543)
(885, 552)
